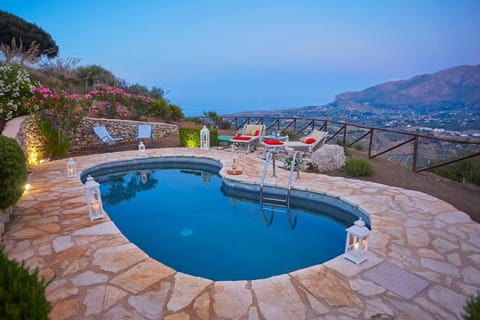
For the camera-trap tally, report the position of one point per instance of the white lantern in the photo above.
(141, 149)
(71, 168)
(357, 242)
(94, 199)
(204, 138)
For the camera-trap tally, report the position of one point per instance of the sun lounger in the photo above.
(102, 134)
(144, 132)
(312, 142)
(251, 134)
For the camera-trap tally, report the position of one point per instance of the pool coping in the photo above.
(419, 233)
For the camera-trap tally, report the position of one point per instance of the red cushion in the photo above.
(256, 133)
(273, 142)
(310, 140)
(242, 138)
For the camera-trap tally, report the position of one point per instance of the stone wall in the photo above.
(34, 145)
(32, 142)
(85, 138)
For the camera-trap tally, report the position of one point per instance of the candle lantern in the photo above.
(94, 199)
(204, 138)
(141, 149)
(357, 242)
(71, 168)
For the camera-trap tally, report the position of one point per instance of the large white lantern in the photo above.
(94, 199)
(71, 168)
(141, 149)
(204, 138)
(357, 242)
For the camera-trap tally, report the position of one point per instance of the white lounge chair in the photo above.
(144, 132)
(310, 143)
(250, 135)
(102, 134)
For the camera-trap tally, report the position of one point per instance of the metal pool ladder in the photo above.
(277, 201)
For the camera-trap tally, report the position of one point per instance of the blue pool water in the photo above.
(188, 220)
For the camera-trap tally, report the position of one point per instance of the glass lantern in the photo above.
(71, 168)
(204, 138)
(141, 149)
(357, 242)
(94, 199)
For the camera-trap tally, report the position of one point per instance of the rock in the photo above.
(114, 259)
(88, 278)
(185, 290)
(141, 276)
(323, 284)
(447, 298)
(201, 306)
(329, 157)
(278, 299)
(151, 304)
(366, 288)
(231, 299)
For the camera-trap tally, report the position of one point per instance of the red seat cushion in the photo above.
(310, 140)
(256, 133)
(245, 138)
(273, 142)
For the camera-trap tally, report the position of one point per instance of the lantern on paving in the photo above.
(94, 199)
(71, 168)
(357, 242)
(204, 138)
(141, 149)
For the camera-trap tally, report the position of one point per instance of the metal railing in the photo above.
(426, 151)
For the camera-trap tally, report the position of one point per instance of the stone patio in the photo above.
(98, 274)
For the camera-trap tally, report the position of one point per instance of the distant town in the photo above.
(457, 122)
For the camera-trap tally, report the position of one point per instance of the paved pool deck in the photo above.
(98, 274)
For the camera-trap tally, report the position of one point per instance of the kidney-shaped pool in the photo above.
(182, 213)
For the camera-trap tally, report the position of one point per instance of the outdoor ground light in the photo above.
(94, 199)
(71, 168)
(357, 242)
(204, 138)
(141, 149)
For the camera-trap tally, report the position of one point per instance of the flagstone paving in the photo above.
(96, 273)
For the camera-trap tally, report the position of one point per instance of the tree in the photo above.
(15, 31)
(95, 75)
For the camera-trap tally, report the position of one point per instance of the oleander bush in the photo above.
(13, 172)
(358, 167)
(22, 295)
(190, 137)
(471, 309)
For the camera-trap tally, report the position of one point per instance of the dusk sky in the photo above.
(231, 56)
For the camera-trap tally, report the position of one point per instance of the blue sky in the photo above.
(230, 56)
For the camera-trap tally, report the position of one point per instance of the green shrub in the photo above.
(463, 171)
(472, 308)
(13, 172)
(22, 295)
(358, 167)
(57, 145)
(190, 137)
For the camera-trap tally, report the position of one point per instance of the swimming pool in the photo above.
(183, 214)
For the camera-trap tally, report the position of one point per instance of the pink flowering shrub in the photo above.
(57, 115)
(117, 103)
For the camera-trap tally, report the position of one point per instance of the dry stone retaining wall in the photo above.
(85, 138)
(34, 145)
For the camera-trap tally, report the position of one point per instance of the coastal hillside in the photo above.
(445, 89)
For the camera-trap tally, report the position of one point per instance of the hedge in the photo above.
(13, 172)
(190, 137)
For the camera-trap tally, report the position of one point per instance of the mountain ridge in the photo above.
(457, 86)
